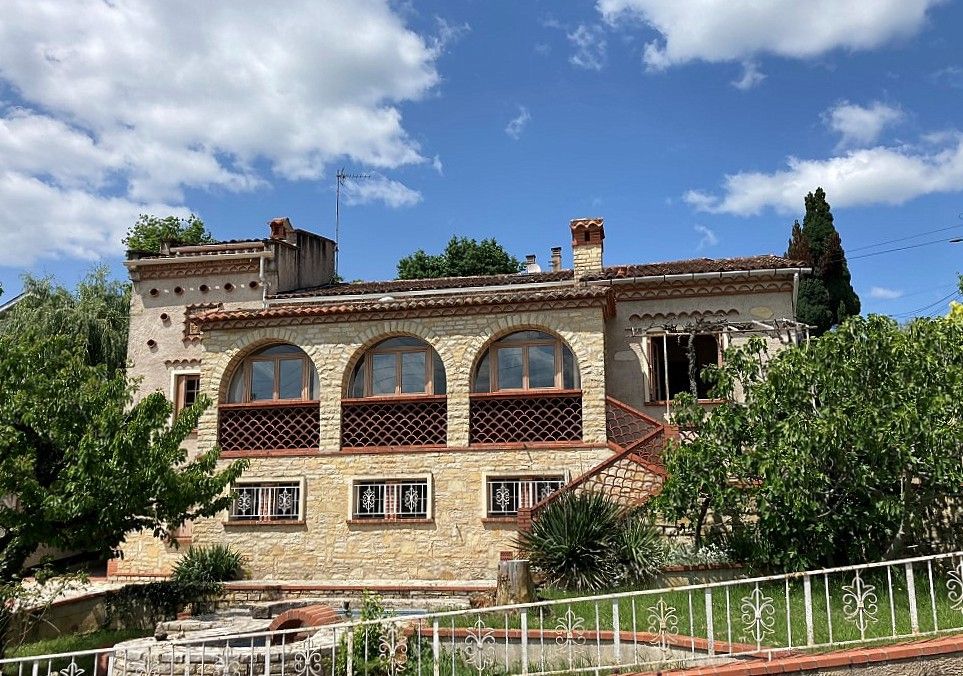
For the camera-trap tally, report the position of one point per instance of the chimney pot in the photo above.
(587, 236)
(556, 258)
(530, 265)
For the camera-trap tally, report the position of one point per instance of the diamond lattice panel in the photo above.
(525, 419)
(265, 428)
(402, 423)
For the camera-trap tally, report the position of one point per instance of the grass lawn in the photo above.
(782, 622)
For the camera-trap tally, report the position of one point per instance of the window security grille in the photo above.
(266, 502)
(390, 499)
(507, 495)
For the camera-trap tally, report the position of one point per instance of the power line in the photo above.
(904, 248)
(341, 177)
(903, 239)
(944, 299)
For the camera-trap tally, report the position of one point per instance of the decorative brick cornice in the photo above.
(446, 306)
(197, 267)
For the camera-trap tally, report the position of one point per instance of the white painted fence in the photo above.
(754, 618)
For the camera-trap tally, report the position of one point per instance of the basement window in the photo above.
(506, 495)
(390, 499)
(669, 363)
(267, 502)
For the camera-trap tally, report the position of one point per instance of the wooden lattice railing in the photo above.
(269, 426)
(387, 422)
(632, 475)
(530, 417)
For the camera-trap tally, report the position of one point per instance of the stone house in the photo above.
(405, 430)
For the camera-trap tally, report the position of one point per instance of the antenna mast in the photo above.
(341, 178)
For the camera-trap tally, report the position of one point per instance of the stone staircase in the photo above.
(632, 475)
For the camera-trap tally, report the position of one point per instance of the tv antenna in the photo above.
(342, 176)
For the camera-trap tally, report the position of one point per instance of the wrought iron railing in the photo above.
(754, 619)
(530, 417)
(269, 426)
(386, 422)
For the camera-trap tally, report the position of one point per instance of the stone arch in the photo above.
(247, 345)
(309, 616)
(395, 329)
(568, 339)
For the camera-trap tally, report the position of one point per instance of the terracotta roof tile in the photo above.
(386, 287)
(405, 304)
(397, 285)
(697, 265)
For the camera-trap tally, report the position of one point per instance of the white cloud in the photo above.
(518, 123)
(590, 47)
(860, 125)
(709, 238)
(378, 188)
(882, 293)
(40, 218)
(751, 76)
(951, 76)
(740, 30)
(437, 165)
(880, 175)
(197, 96)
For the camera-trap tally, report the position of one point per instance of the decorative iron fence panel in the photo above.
(542, 417)
(383, 423)
(253, 427)
(752, 619)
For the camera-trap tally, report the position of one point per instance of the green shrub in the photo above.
(216, 563)
(640, 548)
(141, 606)
(588, 542)
(574, 541)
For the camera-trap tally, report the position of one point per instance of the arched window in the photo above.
(398, 367)
(276, 373)
(527, 360)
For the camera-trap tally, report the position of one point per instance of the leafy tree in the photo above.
(845, 449)
(81, 465)
(96, 315)
(462, 257)
(827, 297)
(149, 231)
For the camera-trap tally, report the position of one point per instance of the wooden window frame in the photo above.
(368, 371)
(306, 375)
(180, 381)
(525, 344)
(654, 383)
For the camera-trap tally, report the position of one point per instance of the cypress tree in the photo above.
(827, 296)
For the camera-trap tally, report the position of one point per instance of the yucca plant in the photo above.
(215, 563)
(641, 549)
(574, 541)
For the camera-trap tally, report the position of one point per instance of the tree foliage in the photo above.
(80, 465)
(826, 297)
(462, 257)
(96, 315)
(846, 448)
(149, 231)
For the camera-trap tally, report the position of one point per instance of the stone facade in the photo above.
(603, 324)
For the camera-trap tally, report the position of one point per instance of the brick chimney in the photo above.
(587, 236)
(281, 228)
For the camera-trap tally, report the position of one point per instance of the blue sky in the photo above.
(693, 128)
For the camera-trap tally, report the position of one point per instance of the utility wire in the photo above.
(944, 299)
(903, 239)
(909, 246)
